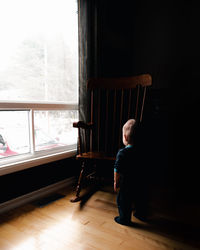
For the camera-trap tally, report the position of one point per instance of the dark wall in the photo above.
(144, 36)
(22, 182)
(161, 39)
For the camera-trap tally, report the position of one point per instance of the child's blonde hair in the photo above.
(128, 130)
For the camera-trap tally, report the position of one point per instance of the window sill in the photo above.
(30, 161)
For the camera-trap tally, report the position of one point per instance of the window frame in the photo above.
(34, 158)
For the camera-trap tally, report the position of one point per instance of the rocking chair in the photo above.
(112, 102)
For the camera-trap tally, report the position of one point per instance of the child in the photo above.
(124, 171)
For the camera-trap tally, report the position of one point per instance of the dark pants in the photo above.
(124, 203)
(129, 196)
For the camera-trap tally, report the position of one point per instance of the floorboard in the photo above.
(61, 224)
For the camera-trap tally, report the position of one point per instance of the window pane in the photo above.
(39, 50)
(54, 129)
(14, 133)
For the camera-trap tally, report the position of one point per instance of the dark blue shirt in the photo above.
(124, 160)
(125, 165)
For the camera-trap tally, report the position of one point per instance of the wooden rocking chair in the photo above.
(112, 102)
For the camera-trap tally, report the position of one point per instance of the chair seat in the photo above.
(95, 155)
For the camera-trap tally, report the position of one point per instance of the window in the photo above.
(38, 79)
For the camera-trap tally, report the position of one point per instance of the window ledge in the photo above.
(30, 161)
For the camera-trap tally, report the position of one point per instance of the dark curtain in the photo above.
(87, 51)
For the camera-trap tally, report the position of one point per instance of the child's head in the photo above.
(128, 131)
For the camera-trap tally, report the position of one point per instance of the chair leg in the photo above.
(78, 187)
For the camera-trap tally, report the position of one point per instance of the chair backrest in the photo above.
(112, 102)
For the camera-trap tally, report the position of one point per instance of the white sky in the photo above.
(21, 18)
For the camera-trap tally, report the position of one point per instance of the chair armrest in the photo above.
(81, 124)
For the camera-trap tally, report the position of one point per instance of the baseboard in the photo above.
(38, 194)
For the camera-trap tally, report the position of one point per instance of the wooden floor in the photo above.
(65, 225)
